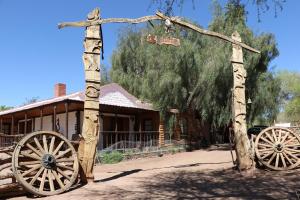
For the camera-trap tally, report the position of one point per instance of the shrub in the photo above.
(111, 157)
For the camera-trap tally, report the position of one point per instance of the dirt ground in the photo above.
(202, 174)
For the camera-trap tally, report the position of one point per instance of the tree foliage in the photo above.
(168, 6)
(197, 75)
(291, 93)
(3, 107)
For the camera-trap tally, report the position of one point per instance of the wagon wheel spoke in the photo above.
(277, 160)
(29, 163)
(291, 154)
(36, 176)
(286, 156)
(265, 150)
(51, 145)
(33, 156)
(34, 150)
(291, 139)
(63, 174)
(265, 145)
(65, 160)
(50, 180)
(294, 145)
(65, 167)
(267, 154)
(272, 157)
(58, 179)
(268, 135)
(38, 144)
(293, 150)
(274, 135)
(267, 141)
(45, 144)
(41, 188)
(58, 148)
(279, 135)
(283, 160)
(285, 136)
(34, 168)
(63, 153)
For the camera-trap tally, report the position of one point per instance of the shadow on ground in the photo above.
(222, 184)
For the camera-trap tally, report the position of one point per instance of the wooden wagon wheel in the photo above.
(278, 148)
(45, 163)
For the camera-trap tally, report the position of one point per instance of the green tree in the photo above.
(197, 76)
(168, 6)
(105, 78)
(3, 107)
(291, 92)
(30, 100)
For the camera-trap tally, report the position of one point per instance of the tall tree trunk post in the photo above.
(90, 130)
(239, 106)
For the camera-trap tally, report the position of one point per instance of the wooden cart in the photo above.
(278, 148)
(44, 163)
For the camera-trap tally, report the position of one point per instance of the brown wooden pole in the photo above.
(41, 119)
(90, 130)
(161, 137)
(67, 119)
(242, 143)
(1, 125)
(25, 123)
(12, 125)
(33, 124)
(54, 119)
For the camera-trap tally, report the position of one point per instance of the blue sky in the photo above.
(34, 54)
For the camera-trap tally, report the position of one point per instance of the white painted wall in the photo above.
(47, 123)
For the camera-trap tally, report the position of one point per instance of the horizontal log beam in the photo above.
(158, 16)
(109, 20)
(178, 21)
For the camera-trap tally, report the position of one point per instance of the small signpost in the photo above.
(153, 39)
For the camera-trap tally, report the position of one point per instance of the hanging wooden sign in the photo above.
(153, 39)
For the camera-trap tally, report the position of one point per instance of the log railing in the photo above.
(9, 140)
(140, 138)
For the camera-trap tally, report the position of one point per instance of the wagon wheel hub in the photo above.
(279, 148)
(48, 161)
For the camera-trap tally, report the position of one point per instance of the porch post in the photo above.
(101, 145)
(12, 125)
(67, 119)
(33, 125)
(161, 138)
(116, 128)
(140, 128)
(54, 119)
(25, 124)
(41, 119)
(177, 129)
(1, 125)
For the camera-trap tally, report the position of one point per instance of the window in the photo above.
(6, 128)
(148, 125)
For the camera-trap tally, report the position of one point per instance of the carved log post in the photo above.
(239, 106)
(90, 130)
(161, 137)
